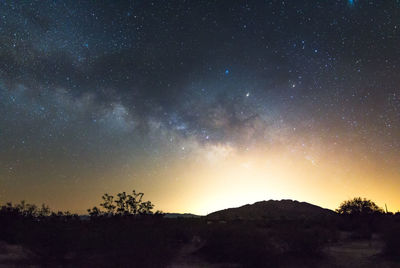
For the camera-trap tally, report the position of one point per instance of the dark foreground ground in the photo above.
(346, 252)
(153, 241)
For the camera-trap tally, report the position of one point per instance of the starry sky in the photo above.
(201, 105)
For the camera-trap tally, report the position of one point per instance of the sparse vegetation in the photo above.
(124, 231)
(111, 236)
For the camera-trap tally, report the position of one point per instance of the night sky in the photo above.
(201, 105)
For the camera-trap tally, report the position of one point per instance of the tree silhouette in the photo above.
(123, 204)
(358, 207)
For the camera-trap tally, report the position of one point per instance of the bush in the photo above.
(126, 204)
(360, 216)
(359, 207)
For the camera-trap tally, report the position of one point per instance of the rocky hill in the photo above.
(272, 210)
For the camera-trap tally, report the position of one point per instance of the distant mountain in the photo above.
(272, 209)
(180, 215)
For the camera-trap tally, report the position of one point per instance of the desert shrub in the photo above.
(359, 207)
(360, 216)
(124, 204)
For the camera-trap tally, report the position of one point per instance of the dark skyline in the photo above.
(195, 102)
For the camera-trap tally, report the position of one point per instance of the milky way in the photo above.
(94, 96)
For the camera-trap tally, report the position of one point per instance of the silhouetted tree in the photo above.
(361, 216)
(124, 204)
(359, 207)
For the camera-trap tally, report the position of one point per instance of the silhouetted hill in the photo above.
(273, 210)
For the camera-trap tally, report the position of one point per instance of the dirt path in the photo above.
(14, 256)
(347, 253)
(358, 253)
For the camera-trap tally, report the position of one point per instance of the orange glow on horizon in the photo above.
(216, 177)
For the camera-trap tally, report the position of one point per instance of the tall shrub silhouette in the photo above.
(360, 215)
(123, 204)
(359, 207)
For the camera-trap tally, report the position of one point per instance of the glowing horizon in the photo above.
(216, 177)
